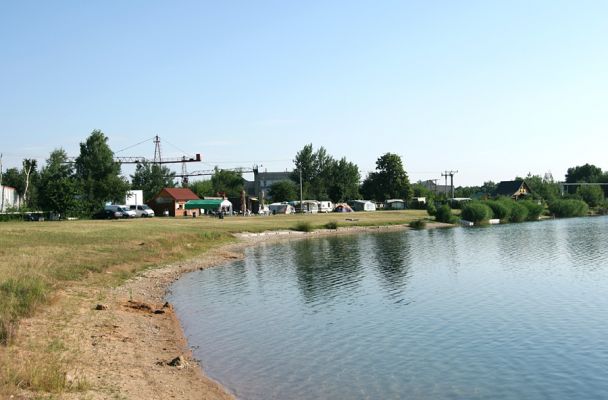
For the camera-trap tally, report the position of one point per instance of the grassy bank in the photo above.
(41, 258)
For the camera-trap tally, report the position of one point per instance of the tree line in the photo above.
(83, 186)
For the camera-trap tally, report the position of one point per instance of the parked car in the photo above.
(142, 210)
(107, 214)
(124, 210)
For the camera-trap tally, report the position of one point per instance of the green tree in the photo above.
(57, 187)
(13, 177)
(591, 194)
(202, 188)
(283, 191)
(305, 163)
(342, 181)
(389, 181)
(585, 173)
(316, 168)
(230, 183)
(98, 174)
(152, 178)
(543, 188)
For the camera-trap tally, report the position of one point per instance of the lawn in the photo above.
(37, 258)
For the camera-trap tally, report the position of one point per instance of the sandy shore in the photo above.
(133, 346)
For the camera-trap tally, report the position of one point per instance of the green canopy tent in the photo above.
(209, 205)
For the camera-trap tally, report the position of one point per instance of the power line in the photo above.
(130, 147)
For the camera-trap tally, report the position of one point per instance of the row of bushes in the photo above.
(507, 210)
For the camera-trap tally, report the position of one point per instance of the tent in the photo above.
(209, 205)
(343, 207)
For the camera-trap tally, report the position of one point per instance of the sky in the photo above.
(492, 89)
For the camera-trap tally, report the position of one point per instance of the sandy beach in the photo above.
(127, 342)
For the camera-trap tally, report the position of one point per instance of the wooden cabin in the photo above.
(514, 189)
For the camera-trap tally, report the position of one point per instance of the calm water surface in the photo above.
(507, 312)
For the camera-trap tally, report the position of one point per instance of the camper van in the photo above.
(326, 206)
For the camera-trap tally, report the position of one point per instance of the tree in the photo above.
(586, 173)
(202, 188)
(230, 183)
(152, 178)
(283, 191)
(543, 188)
(343, 181)
(29, 167)
(98, 174)
(12, 177)
(306, 164)
(324, 178)
(389, 181)
(57, 187)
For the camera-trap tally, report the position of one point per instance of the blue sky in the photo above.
(492, 89)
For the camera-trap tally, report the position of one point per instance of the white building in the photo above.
(9, 198)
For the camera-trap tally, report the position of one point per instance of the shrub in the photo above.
(590, 194)
(476, 212)
(500, 209)
(418, 224)
(519, 212)
(303, 226)
(534, 209)
(331, 225)
(431, 209)
(568, 208)
(444, 214)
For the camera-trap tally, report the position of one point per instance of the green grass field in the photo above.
(40, 257)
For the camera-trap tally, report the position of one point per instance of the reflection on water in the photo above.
(505, 312)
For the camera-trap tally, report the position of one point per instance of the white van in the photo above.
(126, 213)
(142, 210)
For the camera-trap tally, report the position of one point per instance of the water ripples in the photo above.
(506, 312)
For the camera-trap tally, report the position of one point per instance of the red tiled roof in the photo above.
(181, 194)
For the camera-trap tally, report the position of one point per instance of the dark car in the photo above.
(107, 214)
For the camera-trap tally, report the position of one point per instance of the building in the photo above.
(134, 197)
(9, 198)
(437, 189)
(513, 189)
(262, 181)
(171, 201)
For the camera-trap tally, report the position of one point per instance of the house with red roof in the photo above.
(172, 201)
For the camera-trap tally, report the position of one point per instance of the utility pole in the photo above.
(451, 175)
(301, 195)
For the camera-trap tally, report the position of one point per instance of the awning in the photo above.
(209, 205)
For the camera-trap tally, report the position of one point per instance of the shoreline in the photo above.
(130, 343)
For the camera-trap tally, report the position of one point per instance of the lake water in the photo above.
(506, 312)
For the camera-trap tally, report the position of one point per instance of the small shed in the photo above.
(171, 201)
(513, 189)
(210, 206)
(363, 205)
(394, 204)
